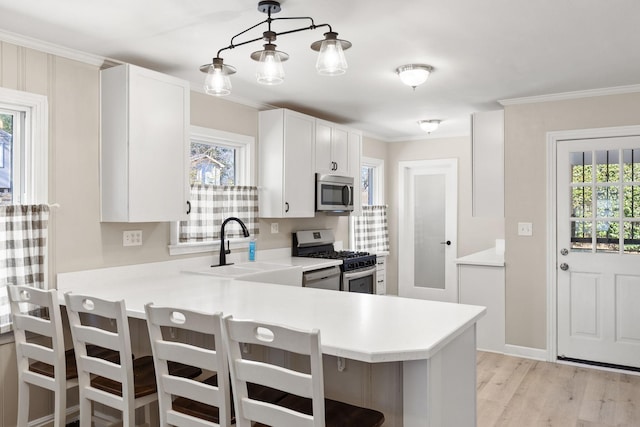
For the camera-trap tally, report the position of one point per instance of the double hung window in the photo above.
(221, 179)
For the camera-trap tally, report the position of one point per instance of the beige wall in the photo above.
(474, 234)
(526, 128)
(77, 239)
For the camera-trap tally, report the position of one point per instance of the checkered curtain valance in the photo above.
(212, 204)
(371, 231)
(23, 247)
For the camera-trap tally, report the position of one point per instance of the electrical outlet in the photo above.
(274, 228)
(525, 229)
(132, 238)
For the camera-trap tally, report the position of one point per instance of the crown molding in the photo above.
(618, 90)
(55, 49)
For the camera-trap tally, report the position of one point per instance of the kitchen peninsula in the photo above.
(435, 342)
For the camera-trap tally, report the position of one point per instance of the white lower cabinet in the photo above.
(381, 275)
(484, 285)
(286, 171)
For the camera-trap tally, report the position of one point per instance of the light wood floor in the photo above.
(521, 392)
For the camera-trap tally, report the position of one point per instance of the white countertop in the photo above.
(307, 264)
(369, 328)
(489, 257)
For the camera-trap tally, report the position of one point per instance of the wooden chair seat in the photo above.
(211, 413)
(70, 361)
(337, 414)
(39, 342)
(144, 377)
(126, 385)
(190, 402)
(304, 404)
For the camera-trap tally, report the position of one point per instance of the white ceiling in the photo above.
(482, 51)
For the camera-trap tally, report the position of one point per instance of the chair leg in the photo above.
(60, 408)
(23, 404)
(86, 411)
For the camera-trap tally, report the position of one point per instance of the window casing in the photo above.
(25, 163)
(28, 155)
(240, 149)
(372, 181)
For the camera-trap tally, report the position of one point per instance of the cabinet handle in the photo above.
(188, 207)
(286, 206)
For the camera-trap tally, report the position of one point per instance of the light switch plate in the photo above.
(274, 228)
(525, 229)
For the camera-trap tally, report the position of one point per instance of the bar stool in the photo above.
(125, 385)
(305, 405)
(194, 402)
(39, 340)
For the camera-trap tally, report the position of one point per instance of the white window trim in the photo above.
(34, 186)
(246, 175)
(34, 189)
(378, 183)
(378, 186)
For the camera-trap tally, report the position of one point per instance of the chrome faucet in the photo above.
(223, 251)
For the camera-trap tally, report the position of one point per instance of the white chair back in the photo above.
(212, 359)
(243, 371)
(112, 334)
(37, 327)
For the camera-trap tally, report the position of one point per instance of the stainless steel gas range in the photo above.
(356, 273)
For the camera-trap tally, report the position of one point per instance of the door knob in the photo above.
(564, 266)
(564, 251)
(448, 243)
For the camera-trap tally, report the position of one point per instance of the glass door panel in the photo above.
(429, 218)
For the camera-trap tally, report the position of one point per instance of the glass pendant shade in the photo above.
(331, 60)
(217, 83)
(414, 74)
(270, 69)
(429, 125)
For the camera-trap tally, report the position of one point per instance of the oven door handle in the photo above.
(356, 274)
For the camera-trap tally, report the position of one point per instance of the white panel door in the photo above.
(427, 230)
(598, 244)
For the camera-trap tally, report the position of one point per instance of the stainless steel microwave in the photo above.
(334, 193)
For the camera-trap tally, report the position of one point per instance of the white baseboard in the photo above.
(527, 352)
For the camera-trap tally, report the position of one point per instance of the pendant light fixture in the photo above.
(414, 74)
(217, 82)
(331, 59)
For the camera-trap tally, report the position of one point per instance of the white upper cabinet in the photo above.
(355, 165)
(487, 130)
(144, 147)
(332, 149)
(287, 181)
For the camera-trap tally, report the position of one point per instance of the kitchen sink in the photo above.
(257, 272)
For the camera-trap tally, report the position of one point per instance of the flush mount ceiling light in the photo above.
(414, 74)
(331, 60)
(429, 125)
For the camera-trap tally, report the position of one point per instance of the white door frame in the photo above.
(552, 253)
(449, 163)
